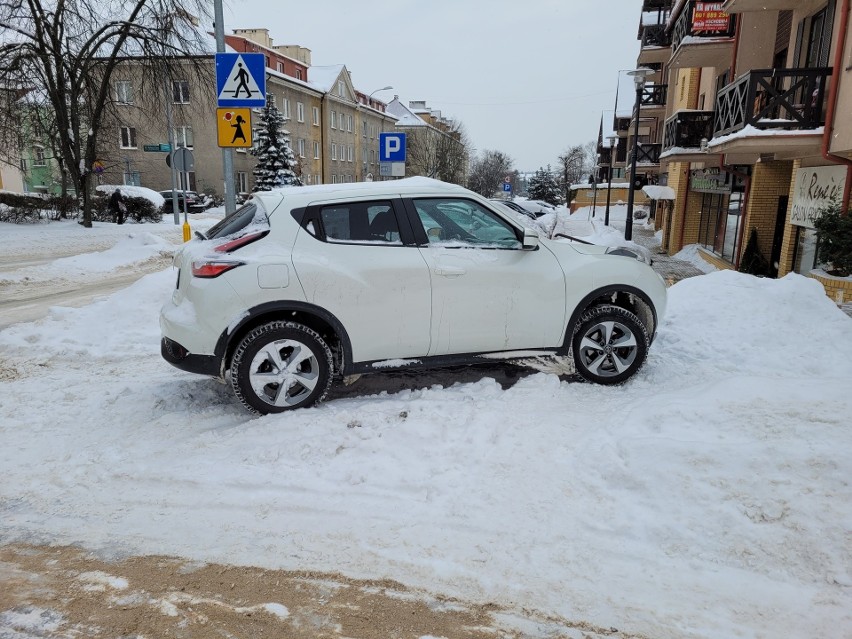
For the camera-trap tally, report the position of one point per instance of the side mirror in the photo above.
(530, 240)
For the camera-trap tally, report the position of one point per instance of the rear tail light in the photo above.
(213, 268)
(240, 242)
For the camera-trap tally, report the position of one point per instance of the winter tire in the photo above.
(609, 344)
(281, 366)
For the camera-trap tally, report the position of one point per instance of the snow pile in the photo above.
(689, 253)
(133, 191)
(133, 248)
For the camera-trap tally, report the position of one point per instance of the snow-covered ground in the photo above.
(709, 497)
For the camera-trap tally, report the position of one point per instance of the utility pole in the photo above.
(227, 154)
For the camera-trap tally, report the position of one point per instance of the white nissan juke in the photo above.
(304, 285)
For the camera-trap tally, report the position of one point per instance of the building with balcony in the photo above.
(755, 134)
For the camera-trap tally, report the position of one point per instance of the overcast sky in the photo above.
(526, 77)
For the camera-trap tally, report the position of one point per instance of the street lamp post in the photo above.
(639, 76)
(611, 142)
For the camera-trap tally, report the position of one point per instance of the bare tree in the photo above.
(67, 50)
(438, 154)
(487, 171)
(571, 168)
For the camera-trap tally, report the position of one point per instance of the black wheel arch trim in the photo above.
(606, 290)
(226, 339)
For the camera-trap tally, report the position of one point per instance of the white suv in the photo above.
(302, 285)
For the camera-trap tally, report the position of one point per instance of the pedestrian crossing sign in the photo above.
(241, 79)
(234, 128)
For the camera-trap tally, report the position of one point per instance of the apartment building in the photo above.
(755, 134)
(333, 127)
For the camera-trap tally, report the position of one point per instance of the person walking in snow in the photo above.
(117, 206)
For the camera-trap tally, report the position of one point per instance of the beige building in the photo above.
(334, 128)
(755, 133)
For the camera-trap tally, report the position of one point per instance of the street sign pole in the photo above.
(171, 146)
(227, 154)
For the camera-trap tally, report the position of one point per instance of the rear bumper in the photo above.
(179, 357)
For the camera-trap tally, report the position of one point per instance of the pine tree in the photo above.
(275, 159)
(543, 186)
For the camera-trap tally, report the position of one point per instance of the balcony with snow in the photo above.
(702, 36)
(780, 111)
(686, 134)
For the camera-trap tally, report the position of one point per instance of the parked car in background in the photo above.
(533, 207)
(514, 207)
(300, 287)
(195, 202)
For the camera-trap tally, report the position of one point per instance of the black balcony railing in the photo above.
(690, 24)
(647, 154)
(654, 95)
(773, 98)
(655, 35)
(686, 129)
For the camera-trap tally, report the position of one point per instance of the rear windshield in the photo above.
(237, 221)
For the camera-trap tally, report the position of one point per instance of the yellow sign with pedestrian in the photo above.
(234, 127)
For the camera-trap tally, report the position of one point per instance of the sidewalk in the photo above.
(671, 269)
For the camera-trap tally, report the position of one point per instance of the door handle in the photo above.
(449, 271)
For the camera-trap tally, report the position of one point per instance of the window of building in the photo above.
(316, 150)
(721, 223)
(124, 92)
(334, 179)
(315, 116)
(341, 90)
(300, 112)
(349, 123)
(23, 165)
(285, 108)
(280, 67)
(38, 156)
(299, 74)
(349, 153)
(128, 137)
(131, 178)
(333, 151)
(183, 137)
(242, 181)
(333, 120)
(270, 99)
(180, 91)
(301, 147)
(364, 128)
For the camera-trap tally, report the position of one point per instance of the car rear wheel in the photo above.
(281, 366)
(609, 344)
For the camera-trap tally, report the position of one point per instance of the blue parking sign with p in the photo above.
(507, 187)
(391, 147)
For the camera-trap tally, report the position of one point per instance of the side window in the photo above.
(360, 222)
(458, 222)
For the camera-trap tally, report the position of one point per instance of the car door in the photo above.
(488, 293)
(356, 260)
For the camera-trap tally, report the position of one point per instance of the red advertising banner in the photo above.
(709, 17)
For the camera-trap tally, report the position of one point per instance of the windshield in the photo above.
(237, 221)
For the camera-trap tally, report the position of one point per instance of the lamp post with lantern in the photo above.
(639, 77)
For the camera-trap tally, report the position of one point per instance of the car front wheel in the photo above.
(609, 344)
(281, 366)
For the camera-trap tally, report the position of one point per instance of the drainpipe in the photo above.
(832, 105)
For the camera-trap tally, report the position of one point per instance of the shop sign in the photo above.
(708, 17)
(814, 188)
(710, 181)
